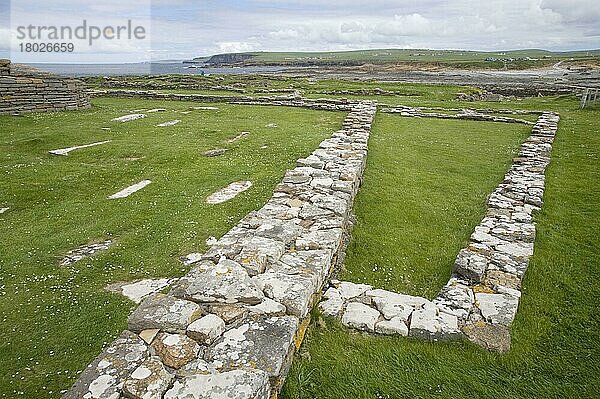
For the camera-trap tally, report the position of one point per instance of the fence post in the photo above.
(584, 97)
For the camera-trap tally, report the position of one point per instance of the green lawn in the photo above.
(423, 193)
(54, 320)
(556, 334)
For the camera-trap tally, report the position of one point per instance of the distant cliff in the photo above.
(228, 59)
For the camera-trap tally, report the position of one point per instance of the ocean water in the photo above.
(147, 69)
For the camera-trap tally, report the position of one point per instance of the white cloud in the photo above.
(188, 28)
(235, 47)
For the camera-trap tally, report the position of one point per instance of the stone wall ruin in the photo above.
(23, 91)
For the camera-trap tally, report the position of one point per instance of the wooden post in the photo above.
(584, 97)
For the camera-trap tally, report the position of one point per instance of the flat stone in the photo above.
(497, 308)
(238, 137)
(261, 343)
(165, 313)
(428, 324)
(235, 384)
(226, 282)
(2, 210)
(229, 192)
(360, 316)
(66, 151)
(175, 350)
(127, 118)
(139, 290)
(149, 335)
(104, 377)
(493, 337)
(206, 329)
(470, 265)
(168, 123)
(126, 192)
(215, 153)
(85, 251)
(394, 326)
(150, 380)
(268, 307)
(293, 291)
(156, 110)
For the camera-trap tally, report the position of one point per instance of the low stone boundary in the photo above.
(39, 93)
(470, 114)
(291, 101)
(482, 297)
(229, 328)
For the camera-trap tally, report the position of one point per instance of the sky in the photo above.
(183, 29)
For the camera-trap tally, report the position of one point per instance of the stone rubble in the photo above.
(481, 299)
(470, 114)
(126, 192)
(247, 299)
(66, 151)
(325, 104)
(228, 193)
(85, 251)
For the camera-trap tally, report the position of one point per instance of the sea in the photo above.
(175, 68)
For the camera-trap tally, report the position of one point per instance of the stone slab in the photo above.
(126, 192)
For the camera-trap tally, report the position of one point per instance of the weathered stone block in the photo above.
(163, 312)
(360, 316)
(235, 384)
(206, 329)
(149, 381)
(497, 308)
(175, 350)
(226, 282)
(104, 377)
(262, 343)
(470, 265)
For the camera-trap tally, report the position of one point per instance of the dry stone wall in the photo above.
(229, 328)
(481, 299)
(22, 92)
(291, 101)
(470, 114)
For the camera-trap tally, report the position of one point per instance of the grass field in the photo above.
(54, 320)
(555, 336)
(515, 59)
(424, 191)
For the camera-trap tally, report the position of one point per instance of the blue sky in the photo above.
(181, 29)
